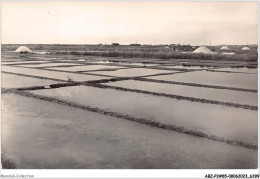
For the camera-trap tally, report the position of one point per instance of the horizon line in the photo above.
(118, 43)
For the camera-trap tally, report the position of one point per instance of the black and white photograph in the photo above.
(129, 85)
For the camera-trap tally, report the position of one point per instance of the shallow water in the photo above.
(184, 67)
(243, 70)
(41, 52)
(24, 62)
(51, 74)
(125, 63)
(81, 60)
(49, 64)
(17, 81)
(223, 95)
(228, 122)
(39, 134)
(239, 80)
(132, 72)
(87, 68)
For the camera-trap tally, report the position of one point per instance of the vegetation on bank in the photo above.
(143, 51)
(163, 55)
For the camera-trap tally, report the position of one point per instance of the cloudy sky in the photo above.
(193, 23)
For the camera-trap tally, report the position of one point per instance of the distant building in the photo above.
(135, 44)
(174, 45)
(115, 44)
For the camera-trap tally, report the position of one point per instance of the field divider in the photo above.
(63, 84)
(179, 97)
(168, 69)
(75, 72)
(194, 84)
(102, 69)
(97, 83)
(22, 63)
(78, 65)
(92, 64)
(174, 71)
(161, 74)
(183, 70)
(46, 69)
(93, 74)
(126, 66)
(64, 66)
(145, 121)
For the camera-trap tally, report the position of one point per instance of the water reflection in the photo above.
(184, 67)
(51, 74)
(242, 70)
(16, 81)
(132, 72)
(126, 63)
(223, 95)
(39, 134)
(239, 80)
(50, 64)
(219, 120)
(86, 68)
(24, 62)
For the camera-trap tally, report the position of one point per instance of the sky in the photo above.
(195, 23)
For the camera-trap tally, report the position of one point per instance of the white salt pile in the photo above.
(245, 48)
(224, 48)
(203, 49)
(23, 49)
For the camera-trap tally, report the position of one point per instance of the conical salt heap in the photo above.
(23, 49)
(203, 49)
